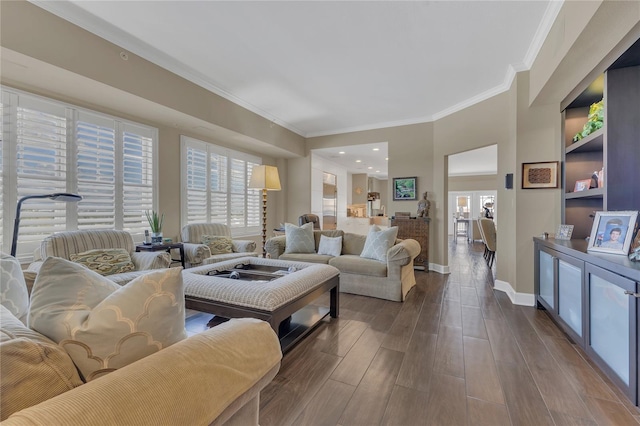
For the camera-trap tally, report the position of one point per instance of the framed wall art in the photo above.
(564, 232)
(582, 185)
(405, 189)
(540, 175)
(612, 232)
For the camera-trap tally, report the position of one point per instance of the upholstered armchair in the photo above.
(69, 243)
(197, 253)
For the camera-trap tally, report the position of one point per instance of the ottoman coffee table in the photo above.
(276, 291)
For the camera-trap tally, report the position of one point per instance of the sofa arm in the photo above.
(403, 252)
(145, 260)
(244, 246)
(275, 246)
(194, 253)
(191, 382)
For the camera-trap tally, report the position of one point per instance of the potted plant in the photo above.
(155, 223)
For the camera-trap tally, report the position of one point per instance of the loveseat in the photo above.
(389, 280)
(214, 377)
(69, 243)
(197, 253)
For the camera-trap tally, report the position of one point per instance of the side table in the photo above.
(164, 247)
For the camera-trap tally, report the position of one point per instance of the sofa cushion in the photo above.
(105, 261)
(299, 238)
(378, 242)
(218, 244)
(32, 367)
(330, 246)
(306, 257)
(13, 289)
(353, 243)
(354, 264)
(101, 325)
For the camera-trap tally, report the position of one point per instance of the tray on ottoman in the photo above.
(283, 301)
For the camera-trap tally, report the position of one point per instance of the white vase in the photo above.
(156, 238)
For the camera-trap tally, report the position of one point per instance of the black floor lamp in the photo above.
(267, 179)
(60, 196)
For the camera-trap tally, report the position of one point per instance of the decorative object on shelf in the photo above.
(634, 251)
(582, 185)
(60, 196)
(540, 175)
(595, 121)
(267, 179)
(423, 206)
(155, 223)
(612, 232)
(564, 232)
(405, 188)
(601, 178)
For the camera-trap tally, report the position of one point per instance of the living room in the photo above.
(47, 56)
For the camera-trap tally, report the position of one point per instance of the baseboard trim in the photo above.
(524, 299)
(441, 269)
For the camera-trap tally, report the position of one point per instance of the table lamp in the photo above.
(59, 196)
(267, 179)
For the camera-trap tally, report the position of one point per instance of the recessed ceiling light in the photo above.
(387, 158)
(341, 152)
(377, 171)
(376, 149)
(369, 167)
(358, 161)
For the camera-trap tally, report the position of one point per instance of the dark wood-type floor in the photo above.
(454, 353)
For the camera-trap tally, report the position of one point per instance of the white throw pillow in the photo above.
(330, 246)
(101, 325)
(299, 239)
(13, 289)
(378, 242)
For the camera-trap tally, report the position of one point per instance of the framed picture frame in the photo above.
(540, 175)
(405, 188)
(582, 185)
(564, 232)
(634, 251)
(612, 232)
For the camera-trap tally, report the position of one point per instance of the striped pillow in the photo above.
(218, 244)
(105, 261)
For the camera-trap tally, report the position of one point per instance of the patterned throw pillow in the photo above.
(378, 242)
(299, 239)
(330, 246)
(13, 290)
(217, 244)
(101, 325)
(105, 261)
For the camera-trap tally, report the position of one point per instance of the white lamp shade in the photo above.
(265, 177)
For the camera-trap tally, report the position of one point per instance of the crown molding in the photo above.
(78, 16)
(550, 15)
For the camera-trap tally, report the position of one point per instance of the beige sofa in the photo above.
(214, 377)
(391, 280)
(197, 254)
(64, 244)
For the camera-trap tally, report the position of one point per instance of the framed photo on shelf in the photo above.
(564, 232)
(405, 189)
(612, 232)
(582, 185)
(540, 175)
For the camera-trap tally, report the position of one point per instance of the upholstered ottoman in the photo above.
(272, 290)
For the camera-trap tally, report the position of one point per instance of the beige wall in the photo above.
(473, 183)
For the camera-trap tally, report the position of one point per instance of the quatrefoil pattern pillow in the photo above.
(378, 242)
(101, 325)
(299, 239)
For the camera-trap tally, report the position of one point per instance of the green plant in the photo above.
(155, 220)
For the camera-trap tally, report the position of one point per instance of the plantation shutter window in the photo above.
(137, 176)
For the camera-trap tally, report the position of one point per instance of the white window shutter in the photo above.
(137, 177)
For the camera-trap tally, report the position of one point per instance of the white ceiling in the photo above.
(481, 161)
(326, 67)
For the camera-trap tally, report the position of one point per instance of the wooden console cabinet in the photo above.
(416, 228)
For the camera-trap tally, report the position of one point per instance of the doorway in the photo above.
(329, 201)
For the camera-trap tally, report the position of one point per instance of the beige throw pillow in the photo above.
(299, 239)
(218, 244)
(105, 261)
(101, 325)
(378, 242)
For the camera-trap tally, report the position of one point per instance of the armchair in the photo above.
(197, 254)
(67, 243)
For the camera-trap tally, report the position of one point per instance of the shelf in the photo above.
(592, 143)
(589, 193)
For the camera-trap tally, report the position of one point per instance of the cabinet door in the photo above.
(546, 278)
(612, 327)
(571, 295)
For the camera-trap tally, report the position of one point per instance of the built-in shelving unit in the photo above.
(615, 148)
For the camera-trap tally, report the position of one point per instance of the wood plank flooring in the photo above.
(456, 352)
